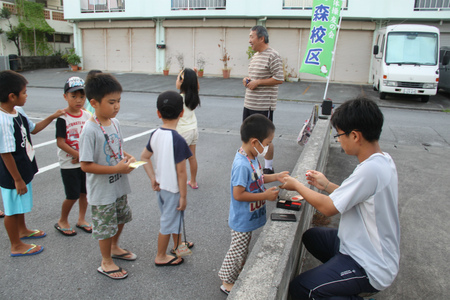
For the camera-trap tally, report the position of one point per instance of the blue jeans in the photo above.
(339, 277)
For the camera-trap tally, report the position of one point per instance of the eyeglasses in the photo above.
(338, 135)
(346, 133)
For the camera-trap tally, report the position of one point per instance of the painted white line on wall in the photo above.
(55, 165)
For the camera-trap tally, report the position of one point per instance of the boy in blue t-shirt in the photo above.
(169, 175)
(248, 194)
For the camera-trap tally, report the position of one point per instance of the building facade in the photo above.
(141, 35)
(60, 41)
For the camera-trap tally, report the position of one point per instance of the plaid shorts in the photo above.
(106, 218)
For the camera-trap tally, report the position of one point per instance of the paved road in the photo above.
(417, 138)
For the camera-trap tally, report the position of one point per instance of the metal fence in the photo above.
(434, 5)
(304, 4)
(198, 4)
(99, 6)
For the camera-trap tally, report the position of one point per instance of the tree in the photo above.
(13, 34)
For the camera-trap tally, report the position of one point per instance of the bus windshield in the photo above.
(415, 48)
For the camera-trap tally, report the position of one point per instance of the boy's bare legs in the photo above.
(193, 166)
(115, 249)
(83, 204)
(23, 229)
(64, 219)
(12, 228)
(161, 255)
(107, 262)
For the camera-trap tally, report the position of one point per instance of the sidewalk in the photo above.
(216, 86)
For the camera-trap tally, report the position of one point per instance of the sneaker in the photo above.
(268, 171)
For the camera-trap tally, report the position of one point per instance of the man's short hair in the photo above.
(261, 31)
(99, 85)
(256, 126)
(359, 114)
(11, 82)
(170, 105)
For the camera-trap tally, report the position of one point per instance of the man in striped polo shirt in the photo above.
(265, 73)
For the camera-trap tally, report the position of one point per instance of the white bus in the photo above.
(406, 61)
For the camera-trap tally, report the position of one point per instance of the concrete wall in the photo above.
(274, 260)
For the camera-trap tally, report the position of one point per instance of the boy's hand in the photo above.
(130, 158)
(271, 194)
(282, 175)
(21, 187)
(182, 204)
(155, 186)
(59, 113)
(316, 179)
(123, 166)
(290, 183)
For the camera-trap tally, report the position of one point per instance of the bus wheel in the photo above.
(382, 95)
(425, 99)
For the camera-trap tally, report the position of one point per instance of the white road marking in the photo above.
(55, 165)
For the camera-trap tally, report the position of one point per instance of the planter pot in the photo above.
(166, 72)
(79, 68)
(226, 73)
(200, 73)
(74, 68)
(293, 79)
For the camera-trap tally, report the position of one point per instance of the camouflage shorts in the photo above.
(106, 218)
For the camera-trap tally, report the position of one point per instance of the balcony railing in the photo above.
(304, 4)
(433, 5)
(99, 6)
(198, 4)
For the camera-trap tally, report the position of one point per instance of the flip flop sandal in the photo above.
(57, 227)
(223, 289)
(193, 187)
(83, 227)
(123, 256)
(108, 273)
(27, 253)
(170, 263)
(34, 236)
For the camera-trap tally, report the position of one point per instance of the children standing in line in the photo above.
(106, 165)
(187, 83)
(169, 175)
(68, 130)
(248, 194)
(17, 161)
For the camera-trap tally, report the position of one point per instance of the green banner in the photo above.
(324, 24)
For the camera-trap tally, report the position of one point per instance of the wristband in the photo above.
(325, 188)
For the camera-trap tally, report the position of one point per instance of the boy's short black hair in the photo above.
(170, 104)
(11, 82)
(99, 85)
(359, 114)
(256, 126)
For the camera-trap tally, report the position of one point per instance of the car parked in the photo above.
(444, 68)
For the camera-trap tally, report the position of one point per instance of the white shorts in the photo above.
(191, 136)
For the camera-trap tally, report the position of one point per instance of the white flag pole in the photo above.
(333, 53)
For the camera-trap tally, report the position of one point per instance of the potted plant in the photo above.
(201, 62)
(225, 57)
(72, 59)
(167, 65)
(250, 52)
(180, 59)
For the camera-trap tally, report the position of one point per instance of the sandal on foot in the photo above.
(27, 253)
(123, 256)
(83, 227)
(170, 263)
(193, 187)
(57, 227)
(188, 244)
(34, 236)
(2, 214)
(108, 273)
(224, 289)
